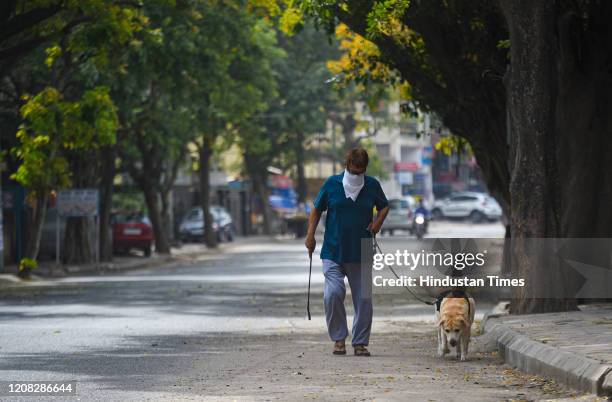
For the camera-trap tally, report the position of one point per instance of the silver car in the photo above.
(192, 226)
(478, 207)
(399, 217)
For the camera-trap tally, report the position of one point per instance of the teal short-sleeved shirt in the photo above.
(347, 220)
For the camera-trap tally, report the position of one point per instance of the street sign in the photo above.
(79, 202)
(405, 178)
(406, 167)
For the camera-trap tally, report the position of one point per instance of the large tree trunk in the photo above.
(559, 99)
(161, 240)
(530, 103)
(108, 155)
(210, 237)
(36, 222)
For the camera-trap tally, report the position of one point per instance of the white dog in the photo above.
(454, 323)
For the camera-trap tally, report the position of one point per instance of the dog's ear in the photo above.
(462, 322)
(440, 322)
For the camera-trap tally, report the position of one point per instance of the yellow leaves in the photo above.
(405, 91)
(290, 19)
(41, 140)
(53, 52)
(449, 144)
(358, 58)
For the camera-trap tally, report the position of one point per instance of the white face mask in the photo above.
(352, 184)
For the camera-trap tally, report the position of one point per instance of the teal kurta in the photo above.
(347, 220)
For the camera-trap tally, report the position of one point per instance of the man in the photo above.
(349, 199)
(420, 209)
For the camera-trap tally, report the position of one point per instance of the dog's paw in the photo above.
(463, 357)
(441, 352)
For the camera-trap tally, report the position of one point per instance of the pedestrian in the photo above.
(349, 199)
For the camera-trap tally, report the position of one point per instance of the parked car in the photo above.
(399, 217)
(192, 226)
(131, 231)
(467, 204)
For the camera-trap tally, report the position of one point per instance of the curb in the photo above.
(534, 357)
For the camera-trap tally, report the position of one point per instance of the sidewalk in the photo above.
(574, 348)
(185, 254)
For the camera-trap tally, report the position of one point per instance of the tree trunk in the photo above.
(77, 243)
(108, 155)
(210, 237)
(36, 224)
(257, 170)
(560, 108)
(302, 188)
(161, 240)
(166, 213)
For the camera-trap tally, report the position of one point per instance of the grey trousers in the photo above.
(360, 282)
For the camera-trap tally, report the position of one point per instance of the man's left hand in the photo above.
(374, 227)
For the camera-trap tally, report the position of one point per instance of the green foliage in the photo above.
(27, 264)
(52, 125)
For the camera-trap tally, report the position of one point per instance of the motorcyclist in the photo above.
(420, 209)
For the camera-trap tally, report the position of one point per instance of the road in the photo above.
(232, 327)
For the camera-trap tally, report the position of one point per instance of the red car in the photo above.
(131, 231)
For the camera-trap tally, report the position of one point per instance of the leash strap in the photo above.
(438, 300)
(309, 276)
(377, 248)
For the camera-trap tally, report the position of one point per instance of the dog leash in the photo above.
(438, 300)
(377, 248)
(309, 276)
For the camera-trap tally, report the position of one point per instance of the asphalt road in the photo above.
(233, 327)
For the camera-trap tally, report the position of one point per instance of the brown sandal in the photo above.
(360, 350)
(339, 348)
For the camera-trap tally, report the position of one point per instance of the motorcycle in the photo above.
(419, 226)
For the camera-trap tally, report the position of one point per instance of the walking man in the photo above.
(349, 199)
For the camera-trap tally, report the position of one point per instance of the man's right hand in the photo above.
(311, 244)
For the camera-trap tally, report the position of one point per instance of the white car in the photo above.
(467, 204)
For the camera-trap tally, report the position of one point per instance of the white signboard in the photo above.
(80, 202)
(405, 178)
